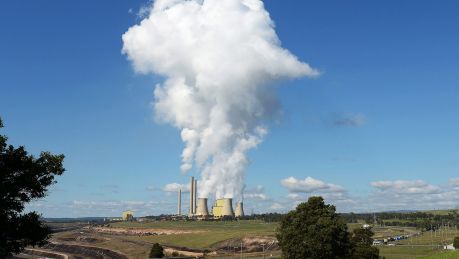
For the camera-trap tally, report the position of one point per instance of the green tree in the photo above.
(157, 251)
(362, 244)
(314, 230)
(456, 243)
(23, 178)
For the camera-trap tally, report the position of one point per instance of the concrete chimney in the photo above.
(191, 196)
(195, 195)
(202, 207)
(239, 210)
(179, 209)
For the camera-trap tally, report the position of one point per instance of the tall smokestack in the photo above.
(192, 196)
(195, 195)
(179, 209)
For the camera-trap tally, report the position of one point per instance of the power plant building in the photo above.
(128, 215)
(198, 206)
(223, 207)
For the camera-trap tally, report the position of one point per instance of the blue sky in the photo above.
(380, 122)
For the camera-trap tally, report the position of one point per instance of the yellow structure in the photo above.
(223, 207)
(128, 215)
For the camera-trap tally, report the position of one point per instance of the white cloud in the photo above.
(256, 193)
(301, 189)
(110, 208)
(276, 206)
(454, 182)
(309, 185)
(175, 187)
(351, 120)
(411, 195)
(405, 187)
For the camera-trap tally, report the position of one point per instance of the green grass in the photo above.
(425, 245)
(210, 232)
(446, 236)
(383, 232)
(406, 252)
(444, 255)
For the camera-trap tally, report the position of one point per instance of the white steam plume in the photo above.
(220, 59)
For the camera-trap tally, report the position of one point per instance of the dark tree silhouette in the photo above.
(314, 230)
(456, 243)
(157, 251)
(362, 242)
(23, 178)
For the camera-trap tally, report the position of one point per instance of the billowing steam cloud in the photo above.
(220, 59)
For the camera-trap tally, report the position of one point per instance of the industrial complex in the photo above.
(199, 210)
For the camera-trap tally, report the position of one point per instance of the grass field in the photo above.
(425, 245)
(214, 232)
(210, 232)
(444, 255)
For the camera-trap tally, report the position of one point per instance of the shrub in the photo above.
(157, 251)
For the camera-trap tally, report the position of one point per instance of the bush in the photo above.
(456, 243)
(157, 251)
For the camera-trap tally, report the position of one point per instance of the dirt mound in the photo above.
(140, 231)
(249, 244)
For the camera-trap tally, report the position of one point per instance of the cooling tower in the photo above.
(239, 210)
(227, 209)
(202, 207)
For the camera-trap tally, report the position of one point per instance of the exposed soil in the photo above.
(249, 244)
(140, 231)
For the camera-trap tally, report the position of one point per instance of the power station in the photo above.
(198, 206)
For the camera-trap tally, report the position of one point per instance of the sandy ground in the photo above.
(140, 231)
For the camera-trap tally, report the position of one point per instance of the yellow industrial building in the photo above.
(128, 215)
(222, 207)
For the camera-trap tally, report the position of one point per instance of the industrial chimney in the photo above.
(195, 195)
(179, 209)
(239, 210)
(202, 208)
(191, 196)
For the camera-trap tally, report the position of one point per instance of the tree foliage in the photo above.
(362, 244)
(157, 251)
(314, 230)
(23, 178)
(456, 243)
